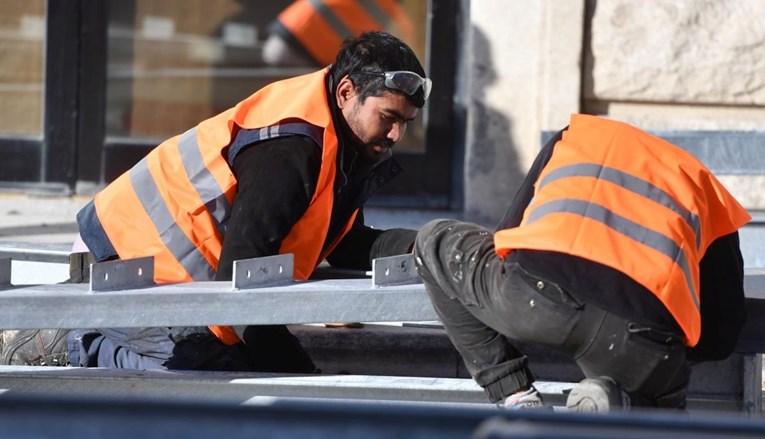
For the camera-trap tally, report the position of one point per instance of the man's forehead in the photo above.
(395, 103)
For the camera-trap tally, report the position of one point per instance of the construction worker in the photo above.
(286, 170)
(620, 250)
(309, 32)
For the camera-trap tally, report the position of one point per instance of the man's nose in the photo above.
(396, 132)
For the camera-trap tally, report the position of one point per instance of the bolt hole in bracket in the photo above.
(124, 274)
(266, 271)
(395, 270)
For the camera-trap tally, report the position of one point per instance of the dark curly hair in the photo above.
(376, 52)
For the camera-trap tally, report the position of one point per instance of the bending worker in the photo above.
(619, 250)
(287, 170)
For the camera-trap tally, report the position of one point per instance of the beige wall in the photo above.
(696, 64)
(659, 64)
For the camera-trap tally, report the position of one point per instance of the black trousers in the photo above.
(482, 301)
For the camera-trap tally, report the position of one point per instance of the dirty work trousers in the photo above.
(482, 301)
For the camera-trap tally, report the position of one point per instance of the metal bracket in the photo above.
(124, 274)
(263, 272)
(395, 270)
(5, 271)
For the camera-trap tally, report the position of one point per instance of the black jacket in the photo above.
(276, 181)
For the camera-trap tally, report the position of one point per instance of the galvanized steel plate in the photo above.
(395, 270)
(265, 271)
(122, 275)
(211, 303)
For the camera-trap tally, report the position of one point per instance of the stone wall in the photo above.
(658, 64)
(694, 52)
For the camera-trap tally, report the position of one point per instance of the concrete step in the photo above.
(246, 388)
(730, 385)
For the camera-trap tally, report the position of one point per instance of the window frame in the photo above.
(74, 155)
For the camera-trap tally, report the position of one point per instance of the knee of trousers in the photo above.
(427, 246)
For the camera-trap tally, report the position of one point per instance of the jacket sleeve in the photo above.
(275, 182)
(362, 244)
(525, 191)
(722, 300)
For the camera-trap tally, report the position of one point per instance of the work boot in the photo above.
(35, 347)
(597, 395)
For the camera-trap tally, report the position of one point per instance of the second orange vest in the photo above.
(618, 196)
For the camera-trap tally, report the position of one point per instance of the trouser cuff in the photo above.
(519, 377)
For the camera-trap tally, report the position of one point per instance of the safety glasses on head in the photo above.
(403, 81)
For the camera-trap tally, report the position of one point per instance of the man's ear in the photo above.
(344, 92)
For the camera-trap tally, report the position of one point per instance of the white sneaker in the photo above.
(529, 399)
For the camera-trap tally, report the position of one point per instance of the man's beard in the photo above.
(370, 155)
(365, 150)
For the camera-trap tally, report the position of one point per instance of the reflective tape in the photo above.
(203, 181)
(171, 234)
(624, 226)
(247, 137)
(332, 20)
(371, 7)
(630, 183)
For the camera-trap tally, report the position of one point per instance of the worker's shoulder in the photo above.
(291, 147)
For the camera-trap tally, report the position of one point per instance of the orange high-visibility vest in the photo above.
(174, 204)
(320, 26)
(618, 196)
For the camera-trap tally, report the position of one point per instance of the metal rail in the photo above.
(34, 251)
(220, 303)
(315, 301)
(211, 303)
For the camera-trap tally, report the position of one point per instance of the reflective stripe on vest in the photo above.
(620, 197)
(174, 238)
(320, 26)
(629, 182)
(657, 241)
(245, 138)
(325, 11)
(203, 181)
